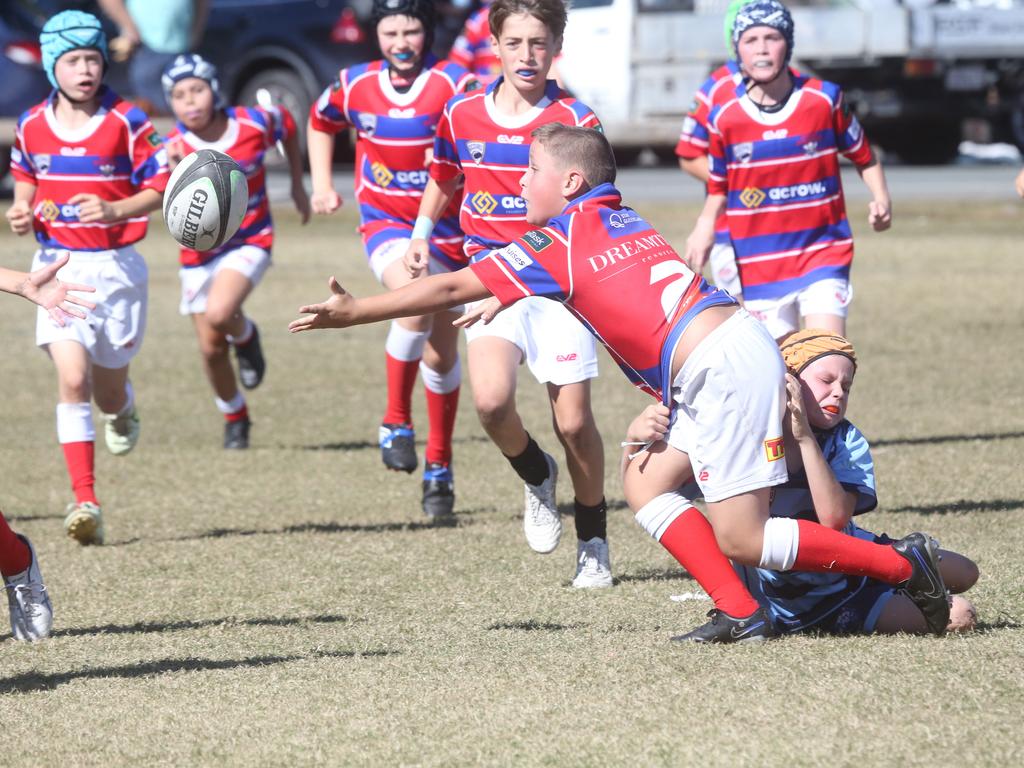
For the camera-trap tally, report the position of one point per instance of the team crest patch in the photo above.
(743, 151)
(42, 163)
(368, 122)
(476, 150)
(381, 174)
(810, 147)
(484, 203)
(537, 240)
(775, 449)
(752, 197)
(48, 210)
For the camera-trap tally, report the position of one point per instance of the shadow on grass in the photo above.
(937, 439)
(327, 527)
(532, 625)
(650, 574)
(145, 627)
(31, 518)
(35, 681)
(1005, 621)
(963, 505)
(364, 445)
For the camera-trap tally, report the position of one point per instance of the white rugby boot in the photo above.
(541, 522)
(31, 612)
(121, 431)
(593, 566)
(84, 522)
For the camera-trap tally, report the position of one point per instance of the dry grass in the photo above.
(290, 606)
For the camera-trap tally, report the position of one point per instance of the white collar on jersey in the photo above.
(407, 98)
(506, 120)
(223, 144)
(73, 135)
(772, 118)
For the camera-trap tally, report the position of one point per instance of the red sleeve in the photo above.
(445, 164)
(21, 166)
(850, 137)
(327, 113)
(149, 160)
(718, 181)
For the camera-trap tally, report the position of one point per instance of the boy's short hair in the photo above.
(552, 13)
(585, 149)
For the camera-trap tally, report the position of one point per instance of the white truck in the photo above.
(914, 70)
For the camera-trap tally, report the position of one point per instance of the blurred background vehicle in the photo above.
(918, 72)
(291, 49)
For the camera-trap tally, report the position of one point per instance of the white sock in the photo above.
(405, 345)
(780, 545)
(441, 383)
(660, 512)
(234, 405)
(244, 336)
(74, 423)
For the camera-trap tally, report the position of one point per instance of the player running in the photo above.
(685, 342)
(215, 284)
(27, 599)
(483, 139)
(395, 104)
(88, 167)
(775, 141)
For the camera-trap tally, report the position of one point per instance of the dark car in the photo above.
(291, 48)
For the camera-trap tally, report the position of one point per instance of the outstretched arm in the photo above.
(423, 297)
(43, 288)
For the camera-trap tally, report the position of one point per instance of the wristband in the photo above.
(422, 228)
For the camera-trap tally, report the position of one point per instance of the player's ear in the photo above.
(574, 183)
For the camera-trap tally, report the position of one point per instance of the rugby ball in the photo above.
(205, 200)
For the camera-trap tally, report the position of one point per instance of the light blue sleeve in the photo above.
(849, 455)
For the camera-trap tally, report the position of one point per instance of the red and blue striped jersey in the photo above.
(116, 154)
(472, 49)
(396, 132)
(250, 133)
(779, 172)
(616, 273)
(492, 151)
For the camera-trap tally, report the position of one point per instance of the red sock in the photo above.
(239, 415)
(80, 461)
(690, 539)
(401, 375)
(14, 553)
(441, 411)
(822, 549)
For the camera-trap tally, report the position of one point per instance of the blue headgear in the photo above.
(764, 13)
(416, 9)
(191, 65)
(69, 31)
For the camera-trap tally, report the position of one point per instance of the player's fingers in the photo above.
(336, 286)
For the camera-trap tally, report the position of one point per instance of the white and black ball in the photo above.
(205, 200)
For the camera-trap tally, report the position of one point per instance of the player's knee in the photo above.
(213, 348)
(493, 409)
(220, 317)
(574, 428)
(74, 386)
(736, 546)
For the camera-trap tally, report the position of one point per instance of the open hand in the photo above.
(484, 311)
(336, 312)
(43, 288)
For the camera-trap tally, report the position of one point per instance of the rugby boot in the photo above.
(251, 364)
(236, 434)
(925, 586)
(438, 491)
(84, 522)
(398, 447)
(30, 609)
(121, 431)
(593, 566)
(542, 523)
(723, 628)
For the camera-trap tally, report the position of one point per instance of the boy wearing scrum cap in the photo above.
(88, 168)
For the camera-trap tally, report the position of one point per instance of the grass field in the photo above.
(289, 605)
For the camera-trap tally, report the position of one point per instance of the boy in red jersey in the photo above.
(88, 168)
(214, 284)
(483, 138)
(685, 342)
(395, 104)
(28, 603)
(775, 139)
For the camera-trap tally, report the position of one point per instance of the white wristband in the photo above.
(422, 228)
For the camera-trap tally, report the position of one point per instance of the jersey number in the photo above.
(674, 291)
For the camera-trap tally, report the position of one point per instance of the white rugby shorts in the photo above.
(724, 272)
(249, 260)
(782, 316)
(390, 251)
(555, 345)
(112, 332)
(729, 402)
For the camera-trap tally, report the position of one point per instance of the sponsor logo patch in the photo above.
(154, 139)
(537, 240)
(752, 197)
(515, 257)
(566, 358)
(484, 203)
(49, 210)
(774, 449)
(381, 174)
(621, 219)
(476, 150)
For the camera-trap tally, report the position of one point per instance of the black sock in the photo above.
(591, 521)
(530, 465)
